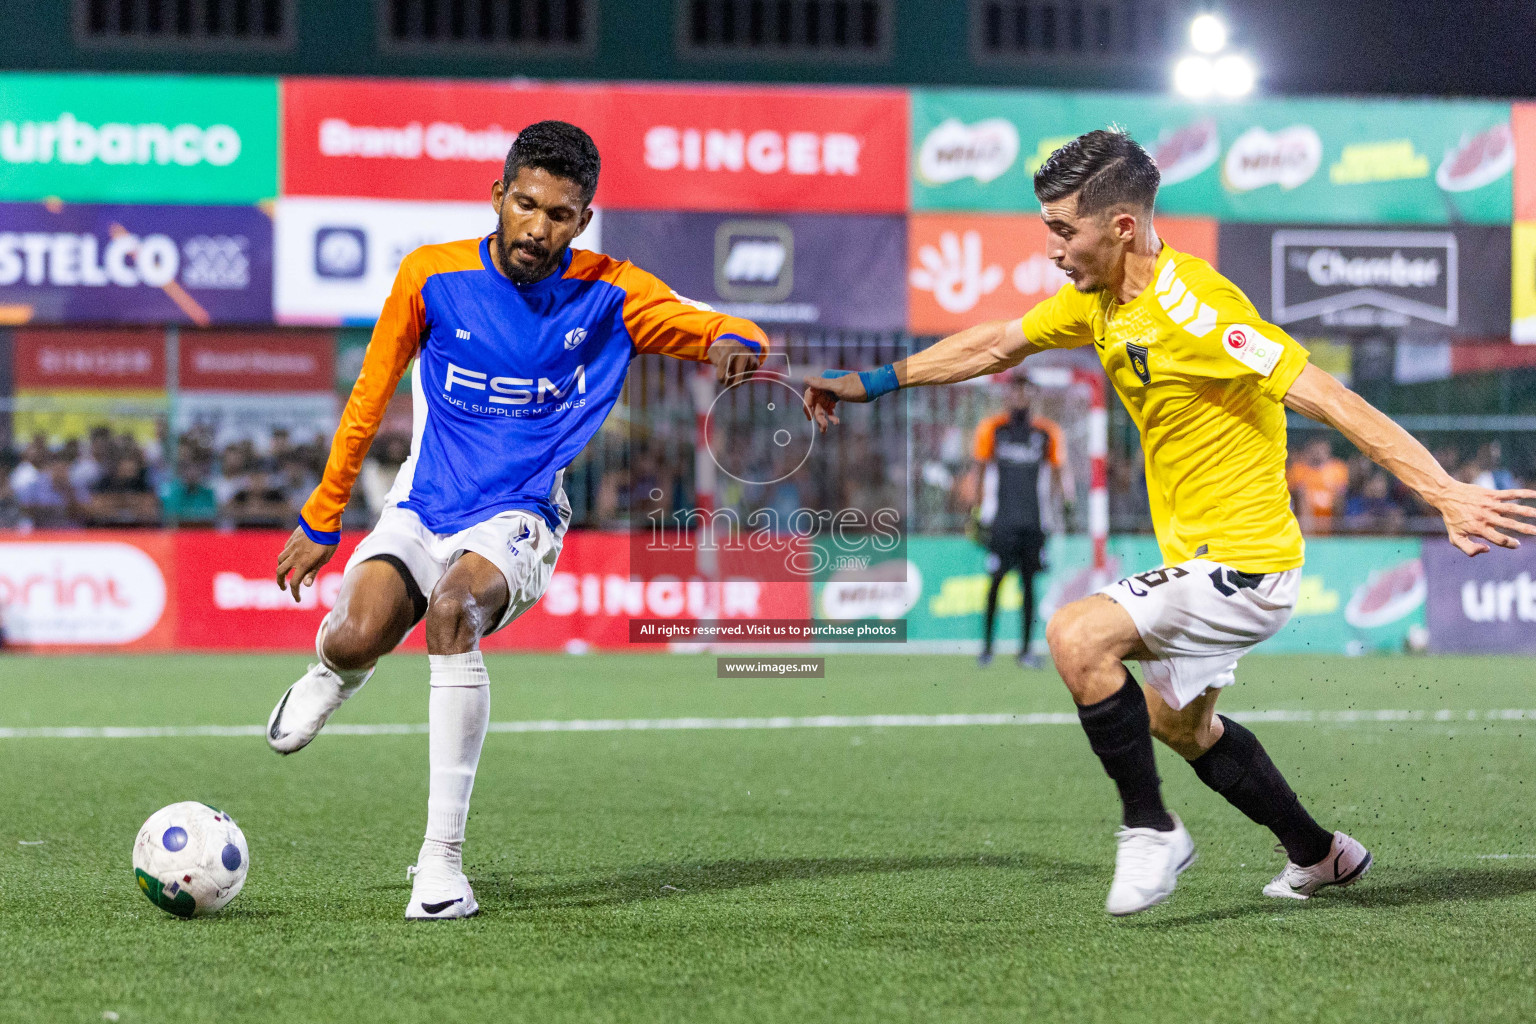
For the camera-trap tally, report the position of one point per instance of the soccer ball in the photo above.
(190, 859)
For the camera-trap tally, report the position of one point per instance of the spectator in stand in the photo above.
(92, 464)
(48, 499)
(124, 497)
(34, 459)
(11, 515)
(1490, 468)
(233, 475)
(154, 452)
(1373, 510)
(295, 478)
(260, 501)
(189, 498)
(10, 509)
(280, 451)
(1318, 480)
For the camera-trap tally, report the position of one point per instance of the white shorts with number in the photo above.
(1199, 617)
(520, 544)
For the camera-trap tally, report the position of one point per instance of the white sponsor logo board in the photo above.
(336, 259)
(956, 150)
(231, 416)
(102, 592)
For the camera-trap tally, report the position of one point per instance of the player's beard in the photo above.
(518, 273)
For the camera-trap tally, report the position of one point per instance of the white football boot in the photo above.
(1346, 863)
(1147, 867)
(439, 893)
(304, 709)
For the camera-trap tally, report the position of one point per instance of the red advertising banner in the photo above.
(414, 139)
(715, 148)
(773, 149)
(258, 361)
(75, 359)
(83, 591)
(967, 268)
(228, 596)
(228, 599)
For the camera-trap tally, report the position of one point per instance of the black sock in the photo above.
(1027, 579)
(997, 581)
(1121, 734)
(1238, 768)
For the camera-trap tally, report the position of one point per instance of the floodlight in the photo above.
(1194, 77)
(1207, 33)
(1233, 76)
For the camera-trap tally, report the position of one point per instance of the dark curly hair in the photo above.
(1104, 168)
(560, 148)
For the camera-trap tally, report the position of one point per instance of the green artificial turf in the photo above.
(863, 874)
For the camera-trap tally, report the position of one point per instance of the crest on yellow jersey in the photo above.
(1138, 357)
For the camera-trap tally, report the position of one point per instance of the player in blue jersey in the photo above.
(521, 345)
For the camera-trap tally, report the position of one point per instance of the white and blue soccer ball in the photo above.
(190, 859)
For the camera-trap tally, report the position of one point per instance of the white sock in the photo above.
(458, 711)
(351, 678)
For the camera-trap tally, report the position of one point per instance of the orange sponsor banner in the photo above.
(963, 269)
(1523, 120)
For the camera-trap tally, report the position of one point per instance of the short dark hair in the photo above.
(1104, 168)
(560, 148)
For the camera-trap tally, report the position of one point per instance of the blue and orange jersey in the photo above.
(510, 381)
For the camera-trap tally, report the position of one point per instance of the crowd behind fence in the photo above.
(640, 464)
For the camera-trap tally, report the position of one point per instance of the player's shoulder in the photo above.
(587, 265)
(1046, 424)
(442, 258)
(1184, 271)
(989, 426)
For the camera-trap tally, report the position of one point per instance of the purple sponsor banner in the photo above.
(1482, 605)
(801, 270)
(88, 263)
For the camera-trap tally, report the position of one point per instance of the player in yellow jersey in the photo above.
(1207, 382)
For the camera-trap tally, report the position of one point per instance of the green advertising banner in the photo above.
(138, 138)
(1273, 160)
(1357, 594)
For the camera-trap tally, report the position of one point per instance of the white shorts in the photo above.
(1199, 617)
(520, 544)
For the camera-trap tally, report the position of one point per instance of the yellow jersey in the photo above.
(1203, 378)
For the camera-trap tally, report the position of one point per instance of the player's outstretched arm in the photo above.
(1474, 516)
(395, 342)
(974, 352)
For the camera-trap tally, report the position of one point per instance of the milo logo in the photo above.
(69, 140)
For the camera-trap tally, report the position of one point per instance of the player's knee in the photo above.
(350, 645)
(1070, 636)
(453, 620)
